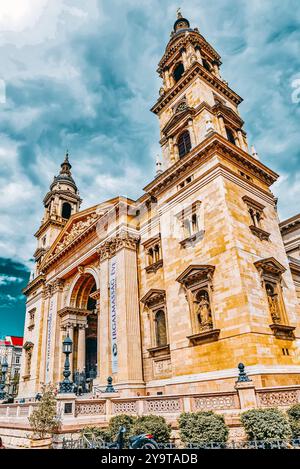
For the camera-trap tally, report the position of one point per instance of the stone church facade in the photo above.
(169, 293)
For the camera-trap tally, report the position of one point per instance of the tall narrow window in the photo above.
(178, 72)
(66, 210)
(161, 329)
(184, 144)
(230, 135)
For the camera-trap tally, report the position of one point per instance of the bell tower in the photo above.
(194, 99)
(61, 202)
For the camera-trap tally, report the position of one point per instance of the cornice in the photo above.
(68, 194)
(35, 283)
(196, 70)
(51, 221)
(199, 154)
(290, 224)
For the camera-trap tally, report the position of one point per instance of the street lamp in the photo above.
(4, 368)
(66, 386)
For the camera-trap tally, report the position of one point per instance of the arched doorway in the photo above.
(91, 335)
(84, 303)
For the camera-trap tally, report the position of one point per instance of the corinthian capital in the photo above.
(120, 241)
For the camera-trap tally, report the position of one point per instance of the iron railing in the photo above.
(85, 442)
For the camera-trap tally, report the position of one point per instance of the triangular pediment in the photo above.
(154, 296)
(76, 226)
(195, 273)
(270, 265)
(178, 116)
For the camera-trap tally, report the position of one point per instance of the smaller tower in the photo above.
(60, 203)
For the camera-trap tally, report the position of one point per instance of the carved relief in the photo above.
(215, 403)
(162, 367)
(90, 409)
(125, 407)
(282, 398)
(112, 245)
(160, 406)
(76, 230)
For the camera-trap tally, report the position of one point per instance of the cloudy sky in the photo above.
(82, 75)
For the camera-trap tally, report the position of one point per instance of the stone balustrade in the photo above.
(170, 406)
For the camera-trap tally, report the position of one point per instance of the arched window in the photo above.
(66, 210)
(160, 328)
(206, 65)
(184, 144)
(230, 135)
(178, 71)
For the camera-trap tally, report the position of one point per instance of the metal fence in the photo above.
(96, 443)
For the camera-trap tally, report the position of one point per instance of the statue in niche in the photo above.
(273, 303)
(203, 311)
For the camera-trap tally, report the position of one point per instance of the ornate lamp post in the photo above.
(66, 386)
(4, 368)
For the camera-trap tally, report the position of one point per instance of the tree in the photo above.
(294, 419)
(266, 424)
(202, 427)
(154, 424)
(44, 419)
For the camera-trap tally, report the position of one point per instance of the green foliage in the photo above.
(122, 420)
(266, 424)
(294, 419)
(94, 433)
(154, 424)
(44, 419)
(202, 427)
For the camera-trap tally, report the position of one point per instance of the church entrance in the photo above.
(84, 303)
(91, 336)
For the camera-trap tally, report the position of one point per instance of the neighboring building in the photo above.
(290, 230)
(168, 293)
(11, 349)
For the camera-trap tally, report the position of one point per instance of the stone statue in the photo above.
(274, 308)
(204, 311)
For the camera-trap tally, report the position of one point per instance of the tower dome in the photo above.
(181, 23)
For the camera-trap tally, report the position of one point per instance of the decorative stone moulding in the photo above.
(195, 273)
(114, 244)
(192, 240)
(282, 331)
(204, 337)
(261, 234)
(154, 267)
(159, 351)
(154, 298)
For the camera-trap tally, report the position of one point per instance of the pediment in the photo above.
(75, 227)
(195, 273)
(154, 297)
(178, 116)
(270, 266)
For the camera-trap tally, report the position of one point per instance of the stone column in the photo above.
(130, 371)
(192, 133)
(167, 78)
(216, 70)
(198, 55)
(222, 126)
(171, 149)
(184, 59)
(103, 352)
(81, 348)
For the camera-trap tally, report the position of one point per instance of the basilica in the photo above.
(169, 293)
